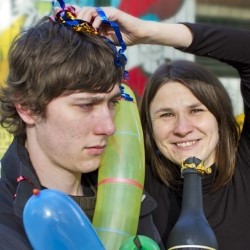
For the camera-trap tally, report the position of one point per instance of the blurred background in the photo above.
(142, 59)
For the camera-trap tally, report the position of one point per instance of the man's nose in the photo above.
(105, 124)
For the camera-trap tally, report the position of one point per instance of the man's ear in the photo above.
(25, 114)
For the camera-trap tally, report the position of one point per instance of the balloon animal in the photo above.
(53, 220)
(121, 176)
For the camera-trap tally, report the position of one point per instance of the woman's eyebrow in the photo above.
(162, 110)
(166, 109)
(196, 105)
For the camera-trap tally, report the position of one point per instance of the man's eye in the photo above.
(114, 102)
(86, 105)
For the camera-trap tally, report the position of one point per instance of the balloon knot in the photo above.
(36, 191)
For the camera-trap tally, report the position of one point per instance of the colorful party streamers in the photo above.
(118, 34)
(53, 220)
(139, 242)
(121, 177)
(67, 16)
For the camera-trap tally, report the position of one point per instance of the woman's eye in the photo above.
(195, 111)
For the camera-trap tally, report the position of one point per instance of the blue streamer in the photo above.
(124, 95)
(120, 57)
(114, 25)
(61, 2)
(67, 17)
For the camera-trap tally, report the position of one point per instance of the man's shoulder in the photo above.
(12, 239)
(12, 232)
(10, 220)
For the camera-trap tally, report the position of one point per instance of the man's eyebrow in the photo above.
(88, 98)
(97, 98)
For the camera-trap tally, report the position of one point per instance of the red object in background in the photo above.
(161, 8)
(137, 80)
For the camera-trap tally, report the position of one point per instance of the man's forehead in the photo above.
(100, 95)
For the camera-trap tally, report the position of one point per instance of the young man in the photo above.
(59, 103)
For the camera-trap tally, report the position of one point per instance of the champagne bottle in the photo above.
(192, 230)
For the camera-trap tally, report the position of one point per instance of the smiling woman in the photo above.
(182, 125)
(181, 116)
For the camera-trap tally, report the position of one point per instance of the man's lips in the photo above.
(97, 149)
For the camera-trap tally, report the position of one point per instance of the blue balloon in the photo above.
(53, 220)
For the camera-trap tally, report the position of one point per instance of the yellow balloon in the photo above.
(5, 141)
(121, 178)
(6, 38)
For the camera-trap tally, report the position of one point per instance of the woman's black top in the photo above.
(227, 210)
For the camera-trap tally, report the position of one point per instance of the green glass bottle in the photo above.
(192, 231)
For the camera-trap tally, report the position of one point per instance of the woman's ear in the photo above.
(25, 114)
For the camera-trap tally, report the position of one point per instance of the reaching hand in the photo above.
(135, 30)
(131, 27)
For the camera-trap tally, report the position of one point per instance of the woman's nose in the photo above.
(183, 125)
